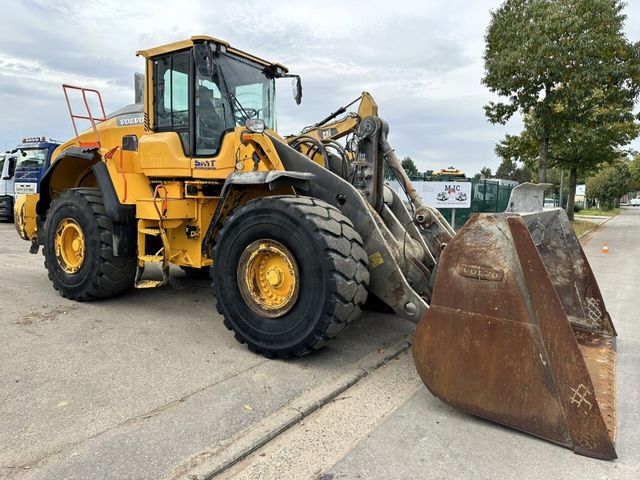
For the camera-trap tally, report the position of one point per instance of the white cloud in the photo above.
(422, 61)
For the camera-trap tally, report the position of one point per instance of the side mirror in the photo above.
(203, 56)
(297, 89)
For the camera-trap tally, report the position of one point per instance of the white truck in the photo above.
(7, 181)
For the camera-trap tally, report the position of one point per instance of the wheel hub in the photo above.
(275, 277)
(268, 278)
(69, 245)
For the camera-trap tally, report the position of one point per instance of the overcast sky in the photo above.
(421, 60)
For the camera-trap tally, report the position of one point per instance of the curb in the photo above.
(211, 462)
(597, 226)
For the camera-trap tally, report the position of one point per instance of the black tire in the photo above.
(332, 265)
(197, 273)
(101, 275)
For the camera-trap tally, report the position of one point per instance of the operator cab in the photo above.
(207, 89)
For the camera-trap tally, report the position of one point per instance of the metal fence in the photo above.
(486, 196)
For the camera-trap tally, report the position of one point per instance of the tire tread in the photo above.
(115, 274)
(348, 272)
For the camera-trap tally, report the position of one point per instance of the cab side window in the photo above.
(171, 95)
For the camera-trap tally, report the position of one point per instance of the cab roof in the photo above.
(182, 44)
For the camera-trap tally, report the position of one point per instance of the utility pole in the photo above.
(561, 183)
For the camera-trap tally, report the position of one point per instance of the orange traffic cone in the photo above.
(605, 248)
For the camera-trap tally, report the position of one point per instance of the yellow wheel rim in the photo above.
(69, 245)
(268, 278)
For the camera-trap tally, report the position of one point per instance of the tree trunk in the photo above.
(544, 153)
(573, 179)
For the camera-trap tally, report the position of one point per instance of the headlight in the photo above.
(255, 125)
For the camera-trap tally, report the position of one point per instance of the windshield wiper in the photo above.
(231, 96)
(238, 104)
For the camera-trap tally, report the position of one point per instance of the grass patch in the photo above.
(596, 212)
(582, 226)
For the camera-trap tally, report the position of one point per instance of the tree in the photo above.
(485, 172)
(509, 170)
(567, 66)
(410, 167)
(634, 170)
(609, 184)
(506, 169)
(580, 146)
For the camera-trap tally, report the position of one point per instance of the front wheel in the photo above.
(78, 248)
(290, 273)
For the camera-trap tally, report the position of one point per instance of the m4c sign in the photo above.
(446, 194)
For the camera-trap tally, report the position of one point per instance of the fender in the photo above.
(69, 170)
(239, 181)
(77, 164)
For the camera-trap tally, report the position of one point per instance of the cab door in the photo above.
(166, 151)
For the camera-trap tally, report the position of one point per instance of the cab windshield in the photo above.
(238, 90)
(31, 158)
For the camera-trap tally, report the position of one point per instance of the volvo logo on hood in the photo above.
(130, 120)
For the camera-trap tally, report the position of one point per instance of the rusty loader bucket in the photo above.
(517, 331)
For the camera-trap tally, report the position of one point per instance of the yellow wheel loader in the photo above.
(299, 232)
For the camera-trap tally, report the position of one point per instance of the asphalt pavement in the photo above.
(409, 434)
(130, 387)
(151, 385)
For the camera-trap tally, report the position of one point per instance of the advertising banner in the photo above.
(446, 194)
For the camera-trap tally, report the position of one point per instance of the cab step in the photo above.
(150, 231)
(140, 283)
(151, 258)
(148, 283)
(160, 257)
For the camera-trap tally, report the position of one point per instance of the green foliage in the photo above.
(410, 167)
(485, 172)
(553, 177)
(634, 169)
(596, 212)
(581, 226)
(509, 170)
(609, 184)
(567, 66)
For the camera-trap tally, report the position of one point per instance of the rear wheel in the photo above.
(78, 248)
(290, 274)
